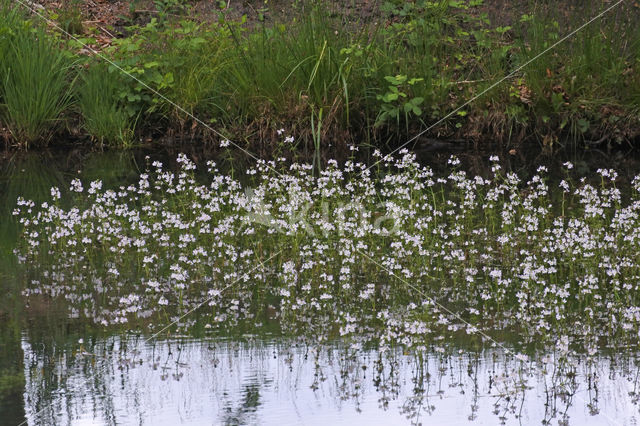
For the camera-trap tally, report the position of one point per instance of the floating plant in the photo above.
(396, 257)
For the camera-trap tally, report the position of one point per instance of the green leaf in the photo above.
(196, 42)
(390, 97)
(563, 124)
(396, 80)
(583, 125)
(156, 77)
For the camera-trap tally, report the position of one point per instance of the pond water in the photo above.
(60, 370)
(123, 380)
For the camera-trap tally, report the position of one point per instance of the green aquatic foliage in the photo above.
(400, 258)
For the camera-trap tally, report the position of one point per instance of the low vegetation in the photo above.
(103, 113)
(35, 89)
(329, 78)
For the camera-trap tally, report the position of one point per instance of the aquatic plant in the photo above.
(408, 388)
(401, 258)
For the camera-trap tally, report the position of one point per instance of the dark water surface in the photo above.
(57, 371)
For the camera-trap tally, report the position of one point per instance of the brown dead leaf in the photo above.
(525, 94)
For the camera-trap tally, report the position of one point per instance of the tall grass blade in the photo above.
(36, 89)
(104, 118)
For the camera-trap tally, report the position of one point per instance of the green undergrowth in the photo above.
(328, 78)
(104, 115)
(35, 86)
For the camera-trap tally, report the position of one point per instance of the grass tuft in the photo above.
(36, 87)
(104, 117)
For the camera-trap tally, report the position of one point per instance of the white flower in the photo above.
(453, 161)
(55, 193)
(76, 185)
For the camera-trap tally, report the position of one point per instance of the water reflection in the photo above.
(11, 370)
(125, 380)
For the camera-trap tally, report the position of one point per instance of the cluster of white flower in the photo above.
(353, 254)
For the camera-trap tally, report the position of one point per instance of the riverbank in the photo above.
(366, 74)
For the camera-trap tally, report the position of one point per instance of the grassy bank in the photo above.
(329, 77)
